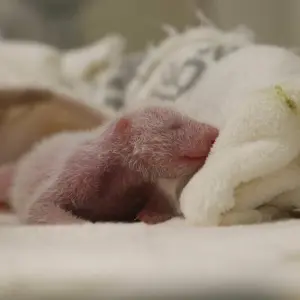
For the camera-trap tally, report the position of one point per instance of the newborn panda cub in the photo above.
(110, 174)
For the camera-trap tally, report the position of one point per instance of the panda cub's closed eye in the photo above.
(175, 126)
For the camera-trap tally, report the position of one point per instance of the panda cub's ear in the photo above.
(122, 125)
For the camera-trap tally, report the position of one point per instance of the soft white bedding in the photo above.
(108, 261)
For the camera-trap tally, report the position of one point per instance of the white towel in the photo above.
(256, 156)
(171, 70)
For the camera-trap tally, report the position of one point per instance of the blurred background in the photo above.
(72, 23)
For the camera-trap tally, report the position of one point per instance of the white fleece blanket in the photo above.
(117, 261)
(253, 96)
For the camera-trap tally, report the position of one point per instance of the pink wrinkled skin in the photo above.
(111, 174)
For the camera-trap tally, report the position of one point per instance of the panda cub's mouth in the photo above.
(195, 162)
(193, 158)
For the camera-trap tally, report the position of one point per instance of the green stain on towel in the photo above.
(285, 98)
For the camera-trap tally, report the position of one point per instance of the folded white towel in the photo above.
(256, 156)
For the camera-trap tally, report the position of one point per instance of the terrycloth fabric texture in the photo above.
(253, 96)
(172, 69)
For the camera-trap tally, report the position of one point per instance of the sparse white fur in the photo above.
(256, 156)
(25, 189)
